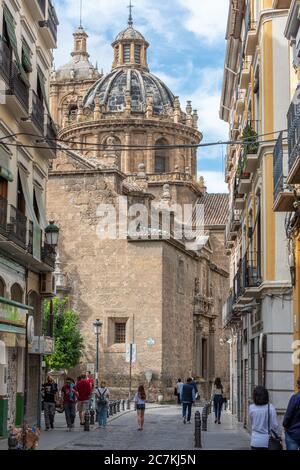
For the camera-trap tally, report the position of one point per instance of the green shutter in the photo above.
(26, 57)
(9, 20)
(6, 174)
(42, 80)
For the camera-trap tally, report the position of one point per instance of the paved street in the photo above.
(163, 430)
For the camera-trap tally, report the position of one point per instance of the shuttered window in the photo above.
(126, 52)
(137, 54)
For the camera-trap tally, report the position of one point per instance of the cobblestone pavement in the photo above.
(163, 429)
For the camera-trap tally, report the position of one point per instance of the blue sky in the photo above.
(187, 47)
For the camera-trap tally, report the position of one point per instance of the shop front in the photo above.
(13, 320)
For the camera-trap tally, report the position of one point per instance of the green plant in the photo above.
(68, 341)
(250, 140)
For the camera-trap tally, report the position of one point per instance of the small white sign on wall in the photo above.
(132, 347)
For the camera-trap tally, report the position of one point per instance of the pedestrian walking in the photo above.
(140, 402)
(50, 394)
(83, 388)
(102, 402)
(178, 388)
(291, 422)
(69, 397)
(91, 381)
(217, 398)
(195, 385)
(263, 419)
(187, 398)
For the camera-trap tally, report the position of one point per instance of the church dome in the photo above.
(130, 33)
(136, 84)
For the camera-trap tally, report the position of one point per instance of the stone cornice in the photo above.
(123, 124)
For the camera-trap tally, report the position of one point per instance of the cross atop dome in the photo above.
(130, 19)
(130, 47)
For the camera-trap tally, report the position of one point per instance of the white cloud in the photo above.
(214, 181)
(206, 99)
(206, 18)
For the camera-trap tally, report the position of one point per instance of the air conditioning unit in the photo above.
(48, 284)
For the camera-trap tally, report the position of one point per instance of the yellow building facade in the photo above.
(255, 98)
(28, 33)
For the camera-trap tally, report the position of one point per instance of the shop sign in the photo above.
(13, 314)
(42, 345)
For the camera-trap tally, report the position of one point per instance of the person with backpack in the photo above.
(69, 397)
(102, 402)
(140, 402)
(187, 398)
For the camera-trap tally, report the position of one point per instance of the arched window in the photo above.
(16, 293)
(2, 288)
(161, 156)
(73, 108)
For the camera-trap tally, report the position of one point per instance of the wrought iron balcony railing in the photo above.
(37, 111)
(17, 226)
(293, 119)
(248, 274)
(278, 167)
(48, 255)
(11, 75)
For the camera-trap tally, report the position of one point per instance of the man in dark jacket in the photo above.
(49, 392)
(291, 422)
(187, 398)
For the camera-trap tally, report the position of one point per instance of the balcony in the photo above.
(22, 241)
(239, 201)
(245, 74)
(35, 121)
(244, 185)
(228, 314)
(49, 28)
(283, 196)
(293, 118)
(248, 278)
(17, 92)
(17, 226)
(233, 226)
(251, 38)
(48, 255)
(37, 9)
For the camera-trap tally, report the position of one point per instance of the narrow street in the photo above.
(164, 430)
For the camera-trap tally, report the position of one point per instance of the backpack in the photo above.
(101, 400)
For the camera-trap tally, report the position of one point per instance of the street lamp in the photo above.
(97, 330)
(51, 234)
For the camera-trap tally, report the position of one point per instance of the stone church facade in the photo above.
(124, 140)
